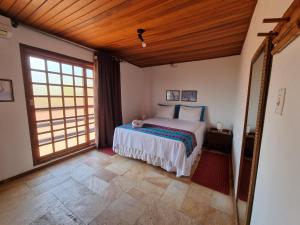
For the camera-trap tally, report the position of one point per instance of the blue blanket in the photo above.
(186, 137)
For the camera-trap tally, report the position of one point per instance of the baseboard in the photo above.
(51, 163)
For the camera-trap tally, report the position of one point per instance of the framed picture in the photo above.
(6, 91)
(172, 95)
(189, 96)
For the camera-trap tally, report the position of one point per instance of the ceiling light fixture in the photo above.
(140, 36)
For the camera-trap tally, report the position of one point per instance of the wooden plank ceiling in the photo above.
(176, 30)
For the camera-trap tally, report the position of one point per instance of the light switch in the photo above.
(280, 101)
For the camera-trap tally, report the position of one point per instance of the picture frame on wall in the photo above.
(6, 90)
(189, 96)
(173, 95)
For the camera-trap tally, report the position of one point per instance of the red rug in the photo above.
(213, 171)
(245, 179)
(107, 151)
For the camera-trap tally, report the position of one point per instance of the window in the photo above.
(60, 103)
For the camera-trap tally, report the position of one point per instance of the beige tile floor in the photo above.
(97, 189)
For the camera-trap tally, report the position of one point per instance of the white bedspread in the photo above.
(159, 151)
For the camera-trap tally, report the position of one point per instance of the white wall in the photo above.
(214, 79)
(15, 147)
(277, 193)
(264, 9)
(135, 89)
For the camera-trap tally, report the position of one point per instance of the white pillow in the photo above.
(189, 113)
(165, 111)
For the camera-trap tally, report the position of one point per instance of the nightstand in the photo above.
(220, 141)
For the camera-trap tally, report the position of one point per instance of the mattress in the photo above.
(160, 151)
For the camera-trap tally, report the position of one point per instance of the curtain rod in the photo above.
(57, 37)
(17, 22)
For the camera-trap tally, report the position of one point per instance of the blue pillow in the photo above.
(202, 114)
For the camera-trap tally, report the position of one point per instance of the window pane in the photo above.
(79, 91)
(59, 135)
(72, 142)
(91, 110)
(39, 89)
(90, 101)
(44, 138)
(81, 120)
(78, 71)
(67, 69)
(68, 91)
(81, 130)
(38, 77)
(57, 113)
(82, 139)
(78, 81)
(55, 90)
(43, 126)
(56, 102)
(54, 78)
(45, 149)
(80, 111)
(71, 132)
(67, 80)
(42, 115)
(60, 145)
(80, 101)
(92, 136)
(89, 82)
(71, 122)
(70, 112)
(41, 102)
(69, 102)
(92, 126)
(89, 73)
(37, 63)
(58, 124)
(90, 91)
(91, 119)
(53, 66)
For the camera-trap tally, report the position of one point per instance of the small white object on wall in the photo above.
(280, 101)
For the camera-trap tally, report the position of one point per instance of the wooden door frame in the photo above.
(25, 50)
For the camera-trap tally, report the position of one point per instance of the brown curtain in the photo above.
(109, 110)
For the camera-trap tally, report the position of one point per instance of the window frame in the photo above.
(26, 51)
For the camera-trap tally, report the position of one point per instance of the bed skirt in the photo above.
(157, 161)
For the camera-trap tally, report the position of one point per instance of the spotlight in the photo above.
(140, 36)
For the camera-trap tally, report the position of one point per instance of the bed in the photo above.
(170, 154)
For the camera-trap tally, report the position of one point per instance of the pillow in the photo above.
(191, 113)
(202, 114)
(165, 111)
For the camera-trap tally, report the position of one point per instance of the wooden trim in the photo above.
(287, 31)
(32, 122)
(48, 165)
(53, 55)
(270, 34)
(265, 48)
(276, 20)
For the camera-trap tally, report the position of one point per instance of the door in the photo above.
(60, 103)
